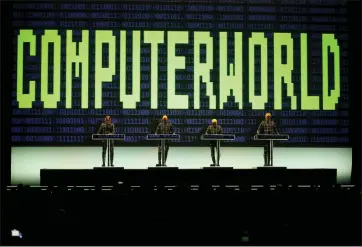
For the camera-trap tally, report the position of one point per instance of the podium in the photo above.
(163, 138)
(218, 138)
(108, 138)
(271, 138)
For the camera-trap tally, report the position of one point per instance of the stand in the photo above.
(218, 153)
(217, 138)
(108, 150)
(271, 138)
(108, 138)
(271, 152)
(163, 158)
(163, 138)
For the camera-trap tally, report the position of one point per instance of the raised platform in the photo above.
(175, 176)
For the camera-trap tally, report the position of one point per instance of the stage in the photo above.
(28, 161)
(172, 176)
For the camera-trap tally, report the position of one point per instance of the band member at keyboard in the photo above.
(164, 127)
(213, 129)
(107, 128)
(267, 126)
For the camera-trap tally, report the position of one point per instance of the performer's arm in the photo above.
(275, 128)
(172, 130)
(208, 130)
(259, 128)
(113, 129)
(100, 129)
(220, 130)
(157, 129)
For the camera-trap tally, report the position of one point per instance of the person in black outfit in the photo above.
(164, 127)
(267, 126)
(107, 128)
(214, 129)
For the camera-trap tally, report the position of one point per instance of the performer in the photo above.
(164, 127)
(267, 126)
(107, 128)
(214, 129)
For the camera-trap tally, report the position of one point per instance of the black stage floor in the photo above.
(174, 176)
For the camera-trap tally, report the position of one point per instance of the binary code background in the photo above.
(61, 126)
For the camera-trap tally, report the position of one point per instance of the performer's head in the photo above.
(164, 118)
(268, 116)
(214, 122)
(107, 119)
